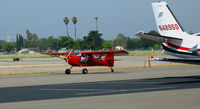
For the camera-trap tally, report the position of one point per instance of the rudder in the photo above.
(166, 22)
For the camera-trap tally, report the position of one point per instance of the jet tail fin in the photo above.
(167, 23)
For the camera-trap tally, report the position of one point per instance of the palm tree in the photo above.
(66, 21)
(96, 18)
(74, 20)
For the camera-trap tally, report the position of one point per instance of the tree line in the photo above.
(93, 41)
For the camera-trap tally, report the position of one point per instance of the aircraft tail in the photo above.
(167, 23)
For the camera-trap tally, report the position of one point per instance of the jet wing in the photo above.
(157, 38)
(115, 52)
(179, 60)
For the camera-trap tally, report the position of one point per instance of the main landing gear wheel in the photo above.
(67, 71)
(112, 70)
(85, 71)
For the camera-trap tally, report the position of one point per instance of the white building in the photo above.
(119, 48)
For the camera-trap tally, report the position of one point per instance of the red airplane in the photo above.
(86, 59)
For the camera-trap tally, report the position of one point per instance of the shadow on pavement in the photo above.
(86, 89)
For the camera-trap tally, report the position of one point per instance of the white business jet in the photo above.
(173, 39)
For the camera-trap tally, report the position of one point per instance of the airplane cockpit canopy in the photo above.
(77, 54)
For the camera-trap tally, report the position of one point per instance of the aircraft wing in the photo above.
(179, 60)
(157, 38)
(115, 52)
(58, 54)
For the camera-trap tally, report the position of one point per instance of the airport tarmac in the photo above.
(36, 64)
(175, 87)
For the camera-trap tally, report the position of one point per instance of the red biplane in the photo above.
(86, 59)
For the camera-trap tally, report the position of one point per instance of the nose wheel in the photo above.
(67, 71)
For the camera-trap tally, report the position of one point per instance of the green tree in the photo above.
(66, 21)
(31, 39)
(43, 44)
(93, 40)
(47, 43)
(107, 45)
(1, 43)
(29, 35)
(78, 44)
(53, 42)
(8, 46)
(121, 40)
(19, 42)
(130, 44)
(65, 42)
(74, 20)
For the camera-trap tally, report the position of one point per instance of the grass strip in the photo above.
(147, 53)
(38, 55)
(79, 69)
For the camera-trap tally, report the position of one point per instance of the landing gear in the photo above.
(84, 71)
(112, 70)
(67, 71)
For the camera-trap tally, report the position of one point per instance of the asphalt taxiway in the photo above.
(28, 64)
(149, 88)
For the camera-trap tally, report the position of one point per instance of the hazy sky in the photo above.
(45, 17)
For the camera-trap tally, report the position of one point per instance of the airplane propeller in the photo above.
(66, 57)
(69, 55)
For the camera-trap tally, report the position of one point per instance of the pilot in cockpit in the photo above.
(84, 59)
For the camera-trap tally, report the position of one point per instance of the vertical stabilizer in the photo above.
(166, 22)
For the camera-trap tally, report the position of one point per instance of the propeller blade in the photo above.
(68, 55)
(62, 57)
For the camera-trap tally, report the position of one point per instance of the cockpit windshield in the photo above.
(77, 54)
(196, 34)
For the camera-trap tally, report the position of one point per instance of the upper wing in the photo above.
(179, 60)
(58, 54)
(115, 52)
(157, 38)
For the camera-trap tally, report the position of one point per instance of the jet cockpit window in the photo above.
(196, 34)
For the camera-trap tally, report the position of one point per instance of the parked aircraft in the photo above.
(86, 59)
(173, 39)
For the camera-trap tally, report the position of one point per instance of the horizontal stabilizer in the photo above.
(157, 38)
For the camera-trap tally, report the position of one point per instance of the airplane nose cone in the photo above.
(73, 60)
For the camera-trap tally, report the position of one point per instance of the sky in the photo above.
(45, 17)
